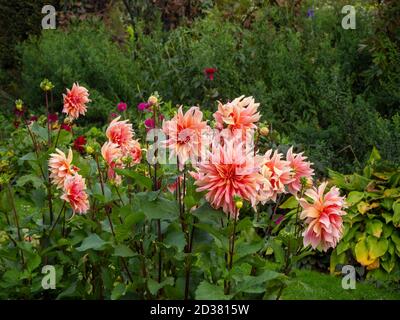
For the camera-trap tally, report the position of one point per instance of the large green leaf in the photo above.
(374, 227)
(377, 248)
(396, 214)
(93, 241)
(208, 291)
(354, 197)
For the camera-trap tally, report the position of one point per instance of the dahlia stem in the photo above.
(108, 214)
(278, 201)
(58, 218)
(47, 181)
(231, 251)
(48, 122)
(14, 210)
(58, 136)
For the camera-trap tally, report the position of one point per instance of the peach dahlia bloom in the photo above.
(300, 169)
(75, 194)
(61, 167)
(75, 101)
(323, 217)
(112, 154)
(229, 172)
(120, 132)
(277, 172)
(241, 113)
(134, 152)
(186, 133)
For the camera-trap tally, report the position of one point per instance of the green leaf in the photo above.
(139, 179)
(35, 180)
(396, 215)
(39, 131)
(154, 286)
(93, 241)
(206, 214)
(258, 283)
(118, 291)
(342, 247)
(377, 248)
(122, 250)
(243, 249)
(374, 227)
(28, 157)
(175, 238)
(208, 291)
(354, 197)
(159, 208)
(290, 203)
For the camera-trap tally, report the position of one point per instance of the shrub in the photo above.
(85, 54)
(372, 235)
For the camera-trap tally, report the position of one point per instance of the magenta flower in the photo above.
(66, 127)
(143, 106)
(122, 106)
(149, 123)
(52, 117)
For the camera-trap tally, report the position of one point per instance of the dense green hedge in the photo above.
(320, 86)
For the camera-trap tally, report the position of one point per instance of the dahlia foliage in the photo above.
(210, 177)
(221, 160)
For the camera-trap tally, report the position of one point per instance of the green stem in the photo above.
(14, 210)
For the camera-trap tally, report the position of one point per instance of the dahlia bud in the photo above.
(239, 204)
(152, 100)
(89, 150)
(19, 104)
(68, 120)
(306, 182)
(46, 85)
(264, 131)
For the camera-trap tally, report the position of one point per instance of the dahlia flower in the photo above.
(229, 172)
(300, 169)
(277, 173)
(134, 152)
(184, 133)
(75, 101)
(112, 154)
(241, 113)
(120, 132)
(75, 194)
(61, 167)
(323, 217)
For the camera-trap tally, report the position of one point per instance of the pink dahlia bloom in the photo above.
(122, 106)
(229, 172)
(112, 154)
(75, 194)
(300, 169)
(241, 114)
(134, 151)
(277, 173)
(120, 132)
(184, 133)
(61, 167)
(323, 217)
(75, 101)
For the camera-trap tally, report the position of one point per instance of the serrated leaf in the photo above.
(154, 286)
(208, 291)
(93, 241)
(122, 250)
